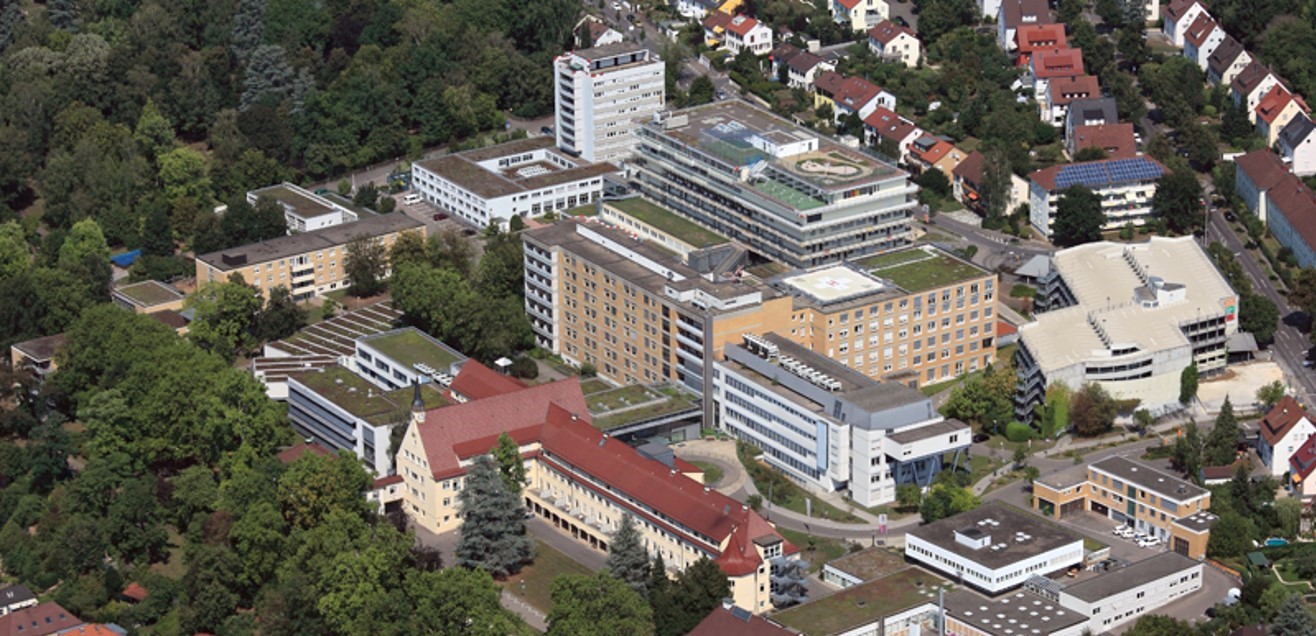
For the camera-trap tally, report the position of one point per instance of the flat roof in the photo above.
(665, 220)
(863, 604)
(1149, 478)
(1023, 612)
(464, 168)
(1123, 579)
(149, 293)
(1198, 522)
(1106, 279)
(41, 349)
(410, 346)
(869, 564)
(303, 203)
(303, 242)
(929, 431)
(856, 388)
(627, 405)
(921, 267)
(354, 394)
(1065, 477)
(834, 283)
(337, 336)
(1009, 521)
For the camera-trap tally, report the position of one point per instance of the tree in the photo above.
(1187, 452)
(185, 174)
(158, 232)
(1260, 317)
(15, 254)
(1293, 618)
(493, 531)
(701, 91)
(934, 181)
(1079, 218)
(1159, 625)
(316, 486)
(280, 317)
(84, 240)
(1222, 443)
(946, 500)
(367, 196)
(1231, 536)
(1270, 395)
(908, 496)
(1178, 201)
(365, 266)
(510, 465)
(224, 316)
(1289, 512)
(408, 249)
(996, 177)
(700, 590)
(1188, 384)
(455, 602)
(1092, 410)
(597, 605)
(628, 561)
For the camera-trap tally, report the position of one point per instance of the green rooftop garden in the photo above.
(786, 194)
(669, 222)
(411, 347)
(149, 293)
(916, 270)
(355, 395)
(862, 603)
(629, 404)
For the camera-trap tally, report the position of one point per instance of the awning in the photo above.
(1241, 342)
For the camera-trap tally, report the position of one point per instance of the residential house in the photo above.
(1256, 175)
(1298, 146)
(1125, 187)
(38, 620)
(16, 597)
(1062, 92)
(890, 133)
(932, 153)
(1152, 10)
(1301, 466)
(1115, 139)
(1014, 14)
(1275, 110)
(850, 95)
(737, 33)
(695, 9)
(859, 14)
(1285, 428)
(1047, 65)
(1226, 62)
(1179, 15)
(1031, 38)
(800, 67)
(36, 355)
(890, 41)
(592, 31)
(968, 183)
(1250, 85)
(1201, 39)
(1091, 111)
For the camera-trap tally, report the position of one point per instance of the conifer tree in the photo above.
(493, 532)
(627, 558)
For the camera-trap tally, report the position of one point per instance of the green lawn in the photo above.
(668, 222)
(411, 346)
(538, 577)
(824, 549)
(982, 465)
(172, 566)
(593, 385)
(712, 473)
(917, 270)
(787, 494)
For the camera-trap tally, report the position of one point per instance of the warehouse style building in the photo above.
(789, 194)
(600, 92)
(1129, 317)
(308, 263)
(526, 177)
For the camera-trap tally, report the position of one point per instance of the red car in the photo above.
(440, 216)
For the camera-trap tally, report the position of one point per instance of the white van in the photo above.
(411, 199)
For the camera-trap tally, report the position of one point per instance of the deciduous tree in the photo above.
(1270, 394)
(510, 465)
(1092, 410)
(1079, 218)
(365, 266)
(1178, 201)
(597, 605)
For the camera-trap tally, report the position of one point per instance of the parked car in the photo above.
(1123, 531)
(547, 130)
(1229, 216)
(440, 216)
(1149, 542)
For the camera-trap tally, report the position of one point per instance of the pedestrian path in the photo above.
(534, 617)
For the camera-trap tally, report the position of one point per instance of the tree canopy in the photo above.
(1079, 218)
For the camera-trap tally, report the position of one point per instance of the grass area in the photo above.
(855, 606)
(937, 387)
(919, 269)
(768, 270)
(619, 398)
(410, 347)
(1022, 291)
(168, 625)
(533, 582)
(581, 210)
(172, 566)
(786, 493)
(936, 237)
(824, 549)
(982, 465)
(712, 472)
(668, 222)
(667, 406)
(593, 385)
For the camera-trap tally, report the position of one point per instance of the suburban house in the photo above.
(40, 620)
(1284, 429)
(592, 31)
(850, 95)
(695, 9)
(1301, 466)
(1275, 110)
(1250, 85)
(1297, 145)
(890, 133)
(16, 597)
(737, 33)
(968, 184)
(859, 14)
(1256, 175)
(933, 153)
(1031, 38)
(1125, 186)
(1201, 40)
(1061, 92)
(801, 67)
(1092, 111)
(1226, 62)
(1179, 15)
(1115, 139)
(1018, 13)
(890, 41)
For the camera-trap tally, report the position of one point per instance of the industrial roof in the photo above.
(1141, 573)
(1003, 523)
(1022, 613)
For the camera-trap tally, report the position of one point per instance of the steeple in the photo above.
(417, 404)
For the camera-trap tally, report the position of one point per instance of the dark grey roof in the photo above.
(1124, 579)
(1297, 130)
(856, 388)
(15, 594)
(1022, 612)
(608, 50)
(929, 431)
(1224, 55)
(40, 349)
(1197, 523)
(295, 244)
(1043, 535)
(1018, 12)
(1093, 109)
(1149, 478)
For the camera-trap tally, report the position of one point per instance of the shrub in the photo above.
(1019, 432)
(588, 370)
(524, 368)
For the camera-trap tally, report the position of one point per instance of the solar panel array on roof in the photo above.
(1102, 173)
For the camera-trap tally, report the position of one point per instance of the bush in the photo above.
(1019, 432)
(588, 370)
(524, 368)
(1022, 291)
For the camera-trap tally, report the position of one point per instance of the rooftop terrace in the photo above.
(920, 268)
(862, 604)
(669, 222)
(302, 205)
(410, 346)
(623, 406)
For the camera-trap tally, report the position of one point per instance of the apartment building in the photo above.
(1134, 494)
(1129, 317)
(600, 92)
(1280, 199)
(308, 263)
(582, 482)
(859, 15)
(787, 193)
(829, 426)
(642, 314)
(303, 211)
(1125, 187)
(526, 178)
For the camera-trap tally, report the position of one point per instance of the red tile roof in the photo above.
(38, 620)
(384, 482)
(1053, 63)
(849, 4)
(1116, 139)
(885, 123)
(135, 592)
(685, 466)
(1199, 30)
(95, 629)
(852, 92)
(723, 622)
(1004, 328)
(741, 25)
(295, 453)
(475, 382)
(1297, 203)
(1063, 90)
(1274, 102)
(886, 31)
(1281, 419)
(1032, 37)
(1303, 460)
(934, 153)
